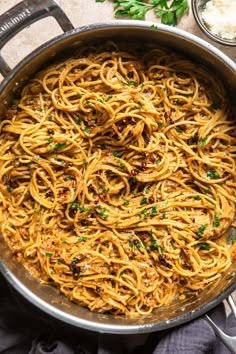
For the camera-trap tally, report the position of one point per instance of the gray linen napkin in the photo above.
(26, 330)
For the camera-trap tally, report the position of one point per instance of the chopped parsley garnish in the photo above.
(48, 254)
(38, 211)
(60, 146)
(121, 164)
(82, 208)
(49, 140)
(131, 243)
(62, 162)
(106, 190)
(132, 83)
(140, 106)
(153, 211)
(78, 120)
(154, 27)
(101, 100)
(49, 117)
(233, 242)
(37, 157)
(205, 246)
(87, 130)
(155, 246)
(213, 174)
(164, 215)
(89, 103)
(143, 201)
(144, 212)
(85, 163)
(134, 179)
(65, 242)
(9, 189)
(116, 154)
(74, 205)
(216, 222)
(102, 213)
(197, 197)
(207, 190)
(67, 178)
(202, 141)
(126, 202)
(201, 230)
(82, 238)
(139, 245)
(157, 162)
(178, 129)
(147, 191)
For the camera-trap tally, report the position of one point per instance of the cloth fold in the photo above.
(24, 329)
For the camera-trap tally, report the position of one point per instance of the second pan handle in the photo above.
(24, 14)
(229, 342)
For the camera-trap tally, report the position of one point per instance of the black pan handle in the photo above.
(24, 14)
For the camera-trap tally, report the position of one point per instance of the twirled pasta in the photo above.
(118, 177)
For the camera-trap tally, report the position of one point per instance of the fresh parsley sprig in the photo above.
(170, 11)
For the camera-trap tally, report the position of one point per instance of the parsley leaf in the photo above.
(48, 254)
(197, 197)
(126, 202)
(202, 142)
(74, 205)
(216, 222)
(116, 154)
(207, 190)
(87, 130)
(201, 229)
(205, 246)
(102, 213)
(213, 174)
(82, 238)
(155, 246)
(153, 211)
(59, 146)
(137, 10)
(154, 27)
(143, 201)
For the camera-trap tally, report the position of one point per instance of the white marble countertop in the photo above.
(80, 12)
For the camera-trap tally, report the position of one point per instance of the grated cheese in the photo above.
(220, 17)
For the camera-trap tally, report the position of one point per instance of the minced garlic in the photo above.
(220, 17)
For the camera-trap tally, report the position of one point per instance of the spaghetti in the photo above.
(118, 178)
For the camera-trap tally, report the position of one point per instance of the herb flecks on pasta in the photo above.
(117, 178)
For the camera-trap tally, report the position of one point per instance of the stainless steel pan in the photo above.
(45, 297)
